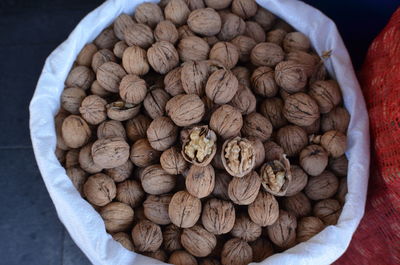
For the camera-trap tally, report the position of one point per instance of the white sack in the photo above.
(84, 223)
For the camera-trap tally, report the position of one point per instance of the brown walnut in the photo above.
(200, 181)
(172, 238)
(71, 99)
(199, 147)
(244, 100)
(256, 125)
(111, 128)
(236, 252)
(272, 108)
(185, 110)
(276, 176)
(193, 48)
(313, 159)
(218, 216)
(339, 165)
(238, 156)
(267, 54)
(117, 216)
(326, 93)
(132, 89)
(243, 191)
(337, 119)
(283, 232)
(110, 152)
(198, 241)
(298, 204)
(334, 142)
(109, 76)
(322, 186)
(121, 24)
(130, 192)
(255, 31)
(155, 102)
(184, 209)
(328, 211)
(156, 208)
(205, 21)
(177, 11)
(299, 180)
(162, 133)
(80, 76)
(263, 82)
(222, 86)
(246, 229)
(156, 181)
(166, 31)
(291, 76)
(194, 77)
(93, 109)
(300, 109)
(226, 53)
(142, 154)
(232, 26)
(292, 139)
(134, 61)
(149, 14)
(181, 257)
(75, 131)
(296, 41)
(308, 227)
(121, 172)
(244, 8)
(226, 121)
(264, 210)
(147, 236)
(163, 56)
(99, 189)
(86, 54)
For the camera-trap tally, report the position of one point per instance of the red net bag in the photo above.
(377, 239)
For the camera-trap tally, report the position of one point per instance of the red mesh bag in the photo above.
(377, 239)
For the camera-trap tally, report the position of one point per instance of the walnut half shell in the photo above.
(276, 176)
(200, 147)
(238, 156)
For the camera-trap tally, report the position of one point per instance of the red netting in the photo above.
(377, 240)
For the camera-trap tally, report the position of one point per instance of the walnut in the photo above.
(75, 131)
(337, 119)
(71, 99)
(255, 31)
(222, 86)
(308, 227)
(236, 252)
(156, 208)
(166, 31)
(218, 4)
(158, 254)
(122, 111)
(292, 139)
(328, 211)
(77, 176)
(125, 240)
(162, 133)
(99, 189)
(140, 35)
(243, 75)
(177, 11)
(101, 57)
(163, 56)
(121, 24)
(300, 109)
(220, 191)
(185, 110)
(109, 76)
(259, 151)
(110, 152)
(265, 18)
(146, 236)
(244, 8)
(276, 36)
(72, 158)
(195, 4)
(111, 128)
(320, 73)
(226, 121)
(264, 210)
(200, 146)
(200, 181)
(334, 143)
(339, 165)
(296, 41)
(283, 232)
(281, 24)
(218, 216)
(98, 90)
(313, 159)
(244, 100)
(232, 26)
(298, 204)
(149, 14)
(291, 76)
(155, 102)
(245, 45)
(106, 39)
(86, 54)
(309, 61)
(80, 76)
(256, 125)
(326, 93)
(263, 82)
(156, 181)
(246, 229)
(132, 89)
(193, 48)
(173, 83)
(322, 186)
(272, 108)
(184, 209)
(299, 180)
(194, 76)
(198, 241)
(172, 238)
(238, 156)
(86, 160)
(60, 154)
(93, 109)
(226, 53)
(342, 191)
(244, 191)
(181, 257)
(262, 249)
(117, 216)
(130, 192)
(267, 54)
(184, 32)
(134, 61)
(205, 21)
(314, 128)
(136, 128)
(272, 151)
(121, 172)
(142, 154)
(172, 161)
(276, 176)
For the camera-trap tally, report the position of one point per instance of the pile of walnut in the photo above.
(205, 132)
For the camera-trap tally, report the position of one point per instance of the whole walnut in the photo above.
(334, 142)
(222, 86)
(132, 89)
(140, 35)
(205, 21)
(58, 121)
(322, 186)
(265, 18)
(130, 192)
(86, 54)
(110, 152)
(86, 160)
(125, 240)
(166, 31)
(243, 75)
(244, 8)
(238, 156)
(80, 76)
(181, 257)
(109, 76)
(267, 54)
(308, 227)
(173, 83)
(121, 24)
(257, 125)
(172, 161)
(272, 108)
(314, 128)
(177, 11)
(245, 45)
(259, 151)
(172, 238)
(120, 173)
(156, 208)
(93, 109)
(71, 99)
(106, 39)
(98, 90)
(136, 128)
(162, 133)
(264, 210)
(194, 77)
(218, 216)
(272, 151)
(342, 191)
(263, 82)
(291, 76)
(226, 53)
(281, 24)
(72, 158)
(101, 57)
(326, 93)
(299, 180)
(337, 119)
(77, 176)
(185, 110)
(163, 56)
(292, 139)
(149, 14)
(244, 191)
(298, 204)
(75, 131)
(226, 121)
(218, 4)
(246, 229)
(117, 216)
(184, 209)
(300, 109)
(328, 211)
(134, 61)
(111, 128)
(199, 147)
(283, 232)
(195, 4)
(198, 241)
(255, 31)
(142, 154)
(276, 176)
(158, 254)
(236, 252)
(99, 189)
(184, 32)
(296, 41)
(232, 26)
(200, 181)
(220, 191)
(275, 36)
(313, 159)
(339, 165)
(147, 236)
(155, 102)
(309, 61)
(156, 181)
(244, 100)
(262, 249)
(193, 48)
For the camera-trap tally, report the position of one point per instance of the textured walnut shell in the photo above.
(246, 229)
(267, 54)
(255, 31)
(245, 45)
(199, 147)
(156, 181)
(313, 159)
(299, 180)
(243, 191)
(218, 4)
(99, 189)
(257, 125)
(136, 128)
(173, 83)
(122, 111)
(275, 36)
(205, 21)
(339, 165)
(110, 152)
(106, 39)
(272, 108)
(155, 102)
(263, 82)
(300, 109)
(272, 151)
(232, 26)
(163, 57)
(134, 61)
(238, 156)
(310, 61)
(322, 186)
(98, 90)
(262, 249)
(181, 257)
(313, 128)
(244, 8)
(130, 192)
(220, 191)
(226, 53)
(193, 48)
(121, 172)
(308, 227)
(132, 89)
(177, 11)
(156, 208)
(334, 142)
(80, 76)
(184, 209)
(259, 151)
(281, 24)
(184, 32)
(185, 110)
(72, 158)
(264, 210)
(101, 57)
(326, 94)
(283, 232)
(158, 254)
(125, 240)
(244, 100)
(172, 238)
(200, 181)
(194, 77)
(198, 241)
(140, 35)
(77, 176)
(75, 131)
(243, 75)
(292, 139)
(328, 211)
(86, 54)
(117, 216)
(172, 161)
(149, 14)
(93, 109)
(236, 252)
(222, 86)
(337, 119)
(146, 236)
(296, 41)
(226, 121)
(166, 31)
(195, 4)
(265, 18)
(109, 76)
(60, 154)
(342, 191)
(276, 176)
(162, 133)
(71, 99)
(218, 216)
(291, 76)
(111, 128)
(299, 205)
(142, 154)
(121, 24)
(86, 160)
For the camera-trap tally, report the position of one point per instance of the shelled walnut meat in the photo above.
(205, 132)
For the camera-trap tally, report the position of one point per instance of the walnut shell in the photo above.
(226, 121)
(86, 54)
(60, 154)
(244, 100)
(326, 93)
(292, 139)
(106, 39)
(322, 186)
(195, 4)
(263, 82)
(125, 240)
(146, 236)
(272, 151)
(193, 48)
(172, 238)
(184, 32)
(334, 142)
(199, 147)
(142, 154)
(313, 159)
(101, 57)
(156, 208)
(58, 120)
(173, 83)
(86, 160)
(310, 61)
(313, 128)
(99, 189)
(181, 257)
(93, 109)
(267, 54)
(328, 211)
(162, 133)
(296, 41)
(130, 192)
(71, 99)
(246, 229)
(134, 61)
(272, 108)
(232, 26)
(308, 227)
(163, 56)
(136, 128)
(218, 216)
(205, 21)
(155, 102)
(236, 252)
(339, 165)
(226, 53)
(299, 180)
(200, 181)
(222, 86)
(291, 76)
(110, 152)
(80, 76)
(198, 241)
(243, 191)
(300, 109)
(172, 161)
(220, 191)
(243, 75)
(177, 11)
(255, 31)
(120, 173)
(75, 131)
(117, 216)
(238, 156)
(259, 151)
(244, 8)
(299, 205)
(245, 45)
(185, 110)
(194, 76)
(149, 14)
(158, 254)
(121, 24)
(156, 181)
(132, 89)
(166, 31)
(265, 18)
(283, 232)
(111, 128)
(276, 176)
(140, 35)
(337, 119)
(72, 158)
(276, 36)
(218, 4)
(98, 90)
(109, 76)
(257, 125)
(184, 209)
(262, 249)
(264, 210)
(77, 176)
